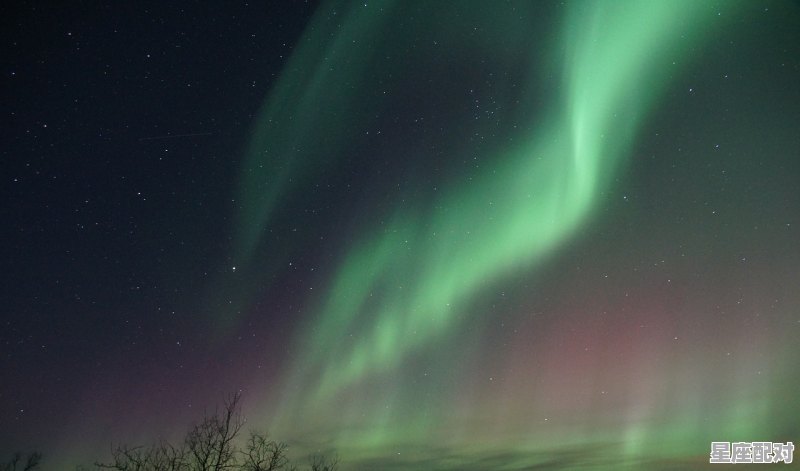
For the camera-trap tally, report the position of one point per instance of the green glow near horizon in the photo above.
(408, 283)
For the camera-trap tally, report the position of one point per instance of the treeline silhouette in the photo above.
(20, 463)
(213, 444)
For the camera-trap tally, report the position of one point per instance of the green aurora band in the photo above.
(402, 292)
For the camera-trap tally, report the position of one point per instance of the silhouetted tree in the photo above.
(321, 463)
(261, 454)
(166, 457)
(161, 457)
(127, 459)
(212, 445)
(18, 463)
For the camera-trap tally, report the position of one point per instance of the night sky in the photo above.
(424, 235)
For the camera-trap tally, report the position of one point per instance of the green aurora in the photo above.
(391, 342)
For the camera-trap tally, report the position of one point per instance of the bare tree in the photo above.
(126, 459)
(211, 443)
(17, 463)
(161, 457)
(166, 457)
(322, 463)
(262, 454)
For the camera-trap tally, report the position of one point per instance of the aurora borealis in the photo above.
(422, 235)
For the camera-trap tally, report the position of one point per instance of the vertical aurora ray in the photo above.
(402, 293)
